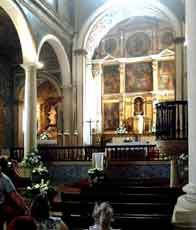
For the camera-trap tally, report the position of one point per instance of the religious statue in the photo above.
(52, 116)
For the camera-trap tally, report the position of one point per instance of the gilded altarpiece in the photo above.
(138, 65)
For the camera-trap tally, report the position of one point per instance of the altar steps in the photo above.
(135, 207)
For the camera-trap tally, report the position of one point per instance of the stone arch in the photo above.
(26, 39)
(113, 12)
(61, 56)
(66, 80)
(95, 28)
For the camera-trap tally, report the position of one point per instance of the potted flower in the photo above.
(44, 136)
(96, 176)
(37, 188)
(40, 172)
(30, 161)
(121, 129)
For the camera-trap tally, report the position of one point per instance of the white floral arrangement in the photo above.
(41, 169)
(44, 136)
(32, 160)
(39, 187)
(121, 130)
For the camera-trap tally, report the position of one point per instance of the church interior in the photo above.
(97, 104)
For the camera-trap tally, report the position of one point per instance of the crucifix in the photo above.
(90, 128)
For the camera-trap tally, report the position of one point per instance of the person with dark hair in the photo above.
(40, 211)
(11, 202)
(102, 215)
(22, 223)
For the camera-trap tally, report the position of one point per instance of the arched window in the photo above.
(138, 106)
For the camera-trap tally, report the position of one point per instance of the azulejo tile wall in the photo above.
(74, 172)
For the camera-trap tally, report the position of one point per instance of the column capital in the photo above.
(155, 65)
(96, 70)
(81, 52)
(122, 68)
(67, 86)
(31, 65)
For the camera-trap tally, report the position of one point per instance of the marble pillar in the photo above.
(30, 110)
(67, 111)
(184, 215)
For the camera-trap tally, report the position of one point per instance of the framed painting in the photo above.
(111, 116)
(139, 77)
(111, 79)
(166, 79)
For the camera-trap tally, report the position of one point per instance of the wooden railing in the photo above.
(172, 120)
(84, 153)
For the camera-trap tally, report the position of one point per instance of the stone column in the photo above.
(67, 111)
(184, 216)
(79, 62)
(155, 75)
(20, 134)
(155, 65)
(30, 103)
(97, 75)
(122, 92)
(179, 69)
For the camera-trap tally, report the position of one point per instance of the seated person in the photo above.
(22, 223)
(40, 211)
(102, 215)
(11, 203)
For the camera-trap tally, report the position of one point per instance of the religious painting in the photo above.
(139, 77)
(166, 75)
(111, 75)
(138, 44)
(111, 116)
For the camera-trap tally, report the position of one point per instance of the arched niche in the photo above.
(48, 99)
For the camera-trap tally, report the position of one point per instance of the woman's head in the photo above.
(40, 207)
(103, 214)
(22, 223)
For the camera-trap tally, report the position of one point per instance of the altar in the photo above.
(129, 151)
